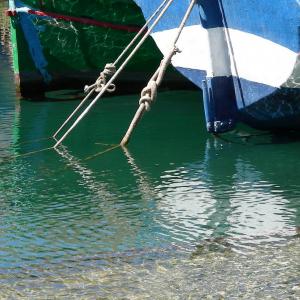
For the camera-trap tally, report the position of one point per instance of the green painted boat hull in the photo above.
(51, 53)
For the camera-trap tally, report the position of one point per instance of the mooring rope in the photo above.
(149, 93)
(33, 152)
(73, 113)
(33, 141)
(110, 70)
(102, 152)
(142, 30)
(137, 47)
(13, 157)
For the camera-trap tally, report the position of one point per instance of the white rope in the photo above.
(142, 30)
(103, 75)
(109, 70)
(137, 47)
(149, 93)
(73, 113)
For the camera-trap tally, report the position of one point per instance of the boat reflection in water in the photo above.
(241, 186)
(177, 202)
(232, 195)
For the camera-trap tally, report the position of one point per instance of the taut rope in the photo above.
(111, 66)
(149, 93)
(108, 84)
(109, 70)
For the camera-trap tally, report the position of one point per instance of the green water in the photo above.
(179, 214)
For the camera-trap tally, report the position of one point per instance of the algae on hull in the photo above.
(57, 54)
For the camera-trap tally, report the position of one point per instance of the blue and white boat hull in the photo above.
(244, 55)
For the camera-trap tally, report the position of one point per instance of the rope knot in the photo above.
(149, 94)
(108, 71)
(176, 50)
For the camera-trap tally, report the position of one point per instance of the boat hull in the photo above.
(62, 44)
(243, 54)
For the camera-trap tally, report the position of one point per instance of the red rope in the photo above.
(79, 20)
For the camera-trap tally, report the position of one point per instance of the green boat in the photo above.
(64, 44)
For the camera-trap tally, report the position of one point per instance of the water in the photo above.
(178, 215)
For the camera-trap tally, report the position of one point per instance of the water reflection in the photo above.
(172, 193)
(4, 29)
(230, 194)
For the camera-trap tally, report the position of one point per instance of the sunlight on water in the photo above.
(178, 215)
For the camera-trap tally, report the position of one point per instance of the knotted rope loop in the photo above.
(161, 12)
(108, 72)
(149, 94)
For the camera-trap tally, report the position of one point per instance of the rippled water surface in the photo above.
(179, 214)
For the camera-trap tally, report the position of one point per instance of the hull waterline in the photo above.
(62, 44)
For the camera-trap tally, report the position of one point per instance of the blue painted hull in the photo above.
(243, 54)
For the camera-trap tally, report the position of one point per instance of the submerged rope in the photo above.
(149, 93)
(102, 152)
(13, 157)
(137, 47)
(32, 141)
(33, 152)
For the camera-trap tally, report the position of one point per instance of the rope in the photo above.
(87, 97)
(137, 47)
(33, 152)
(13, 157)
(102, 152)
(8, 159)
(142, 30)
(149, 93)
(109, 70)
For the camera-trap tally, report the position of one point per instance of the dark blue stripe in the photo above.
(280, 110)
(210, 14)
(247, 92)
